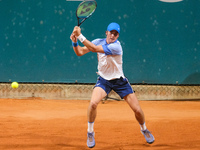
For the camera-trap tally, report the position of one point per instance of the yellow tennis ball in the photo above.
(14, 85)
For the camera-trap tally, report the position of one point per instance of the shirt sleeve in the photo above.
(112, 49)
(95, 41)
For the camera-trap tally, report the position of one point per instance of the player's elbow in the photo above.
(79, 54)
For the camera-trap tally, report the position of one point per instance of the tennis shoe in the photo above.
(148, 136)
(90, 140)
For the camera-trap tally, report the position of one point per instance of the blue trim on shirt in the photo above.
(107, 51)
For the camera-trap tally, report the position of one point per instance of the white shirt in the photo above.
(110, 62)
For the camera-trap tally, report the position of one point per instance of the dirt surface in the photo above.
(35, 124)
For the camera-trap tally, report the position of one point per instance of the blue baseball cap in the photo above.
(113, 26)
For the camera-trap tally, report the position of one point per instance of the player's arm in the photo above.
(91, 47)
(78, 49)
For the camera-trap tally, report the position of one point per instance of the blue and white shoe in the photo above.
(148, 136)
(90, 140)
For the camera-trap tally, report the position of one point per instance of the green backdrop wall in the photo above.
(161, 41)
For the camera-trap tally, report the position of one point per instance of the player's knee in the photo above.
(93, 105)
(138, 110)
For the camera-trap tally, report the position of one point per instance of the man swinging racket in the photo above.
(111, 77)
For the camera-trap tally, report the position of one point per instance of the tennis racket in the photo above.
(85, 10)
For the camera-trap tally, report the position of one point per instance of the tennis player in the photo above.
(111, 77)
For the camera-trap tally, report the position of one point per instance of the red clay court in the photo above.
(36, 124)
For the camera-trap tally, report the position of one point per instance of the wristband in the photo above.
(81, 38)
(74, 44)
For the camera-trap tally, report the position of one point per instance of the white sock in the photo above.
(90, 127)
(143, 127)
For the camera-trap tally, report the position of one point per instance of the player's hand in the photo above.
(77, 31)
(73, 38)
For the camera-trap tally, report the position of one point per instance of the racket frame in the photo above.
(78, 18)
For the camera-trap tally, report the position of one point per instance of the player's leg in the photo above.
(133, 102)
(125, 91)
(97, 95)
